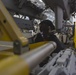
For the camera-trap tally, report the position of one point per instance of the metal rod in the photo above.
(59, 17)
(34, 57)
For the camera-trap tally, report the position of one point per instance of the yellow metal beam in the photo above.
(4, 55)
(36, 45)
(75, 36)
(3, 34)
(9, 28)
(13, 66)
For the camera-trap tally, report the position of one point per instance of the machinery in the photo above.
(60, 64)
(17, 55)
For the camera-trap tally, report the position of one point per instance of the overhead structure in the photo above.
(24, 7)
(61, 9)
(72, 4)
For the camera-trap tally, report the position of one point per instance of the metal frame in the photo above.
(9, 27)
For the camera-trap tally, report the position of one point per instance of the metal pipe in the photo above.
(22, 65)
(59, 17)
(37, 55)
